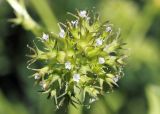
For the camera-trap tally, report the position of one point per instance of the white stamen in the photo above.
(83, 14)
(101, 60)
(68, 65)
(45, 36)
(76, 77)
(99, 42)
(62, 33)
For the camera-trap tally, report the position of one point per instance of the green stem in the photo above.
(44, 11)
(23, 17)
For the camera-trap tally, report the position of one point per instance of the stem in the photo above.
(23, 17)
(44, 11)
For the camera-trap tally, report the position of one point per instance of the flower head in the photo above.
(108, 29)
(101, 60)
(37, 76)
(76, 77)
(68, 65)
(62, 33)
(99, 42)
(83, 14)
(45, 36)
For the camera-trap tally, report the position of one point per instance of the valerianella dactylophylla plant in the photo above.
(86, 58)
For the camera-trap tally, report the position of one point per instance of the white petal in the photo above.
(99, 42)
(83, 14)
(108, 29)
(101, 60)
(45, 36)
(68, 65)
(37, 76)
(62, 33)
(76, 77)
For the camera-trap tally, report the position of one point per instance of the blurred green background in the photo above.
(139, 20)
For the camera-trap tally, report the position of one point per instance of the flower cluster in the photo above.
(86, 58)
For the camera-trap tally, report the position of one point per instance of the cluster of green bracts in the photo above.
(86, 58)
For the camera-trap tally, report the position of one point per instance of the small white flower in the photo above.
(45, 36)
(83, 14)
(99, 42)
(62, 33)
(74, 23)
(108, 29)
(76, 77)
(68, 65)
(101, 60)
(37, 76)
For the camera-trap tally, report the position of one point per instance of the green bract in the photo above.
(85, 59)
